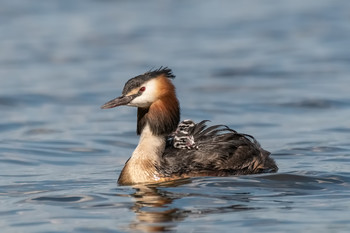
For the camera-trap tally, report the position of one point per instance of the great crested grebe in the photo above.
(168, 150)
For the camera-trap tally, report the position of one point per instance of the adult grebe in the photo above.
(168, 150)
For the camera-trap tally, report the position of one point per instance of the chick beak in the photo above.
(121, 100)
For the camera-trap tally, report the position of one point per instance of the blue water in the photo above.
(278, 70)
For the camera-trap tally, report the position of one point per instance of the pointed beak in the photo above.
(121, 100)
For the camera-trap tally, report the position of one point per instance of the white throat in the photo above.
(150, 146)
(141, 167)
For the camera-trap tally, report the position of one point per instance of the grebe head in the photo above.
(154, 95)
(143, 90)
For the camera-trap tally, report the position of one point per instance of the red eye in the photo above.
(142, 89)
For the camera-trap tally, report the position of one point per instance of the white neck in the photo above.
(141, 166)
(150, 146)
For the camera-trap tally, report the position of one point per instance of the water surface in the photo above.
(278, 70)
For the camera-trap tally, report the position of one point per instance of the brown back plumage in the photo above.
(217, 151)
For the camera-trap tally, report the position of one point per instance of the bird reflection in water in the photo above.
(155, 212)
(153, 209)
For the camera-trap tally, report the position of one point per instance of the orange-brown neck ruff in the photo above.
(163, 115)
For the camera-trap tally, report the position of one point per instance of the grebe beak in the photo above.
(121, 100)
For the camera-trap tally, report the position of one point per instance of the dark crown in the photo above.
(140, 79)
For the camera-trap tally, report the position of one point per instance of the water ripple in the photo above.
(317, 104)
(62, 199)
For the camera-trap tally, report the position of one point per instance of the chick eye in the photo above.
(142, 89)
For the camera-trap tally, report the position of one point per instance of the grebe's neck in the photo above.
(154, 124)
(141, 167)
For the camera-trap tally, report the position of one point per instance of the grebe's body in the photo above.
(168, 150)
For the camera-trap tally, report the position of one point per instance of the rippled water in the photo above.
(278, 70)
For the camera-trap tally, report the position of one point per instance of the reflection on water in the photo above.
(153, 210)
(156, 210)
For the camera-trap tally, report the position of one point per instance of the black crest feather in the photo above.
(167, 72)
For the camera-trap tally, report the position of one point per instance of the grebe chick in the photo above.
(168, 150)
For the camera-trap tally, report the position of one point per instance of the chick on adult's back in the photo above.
(168, 150)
